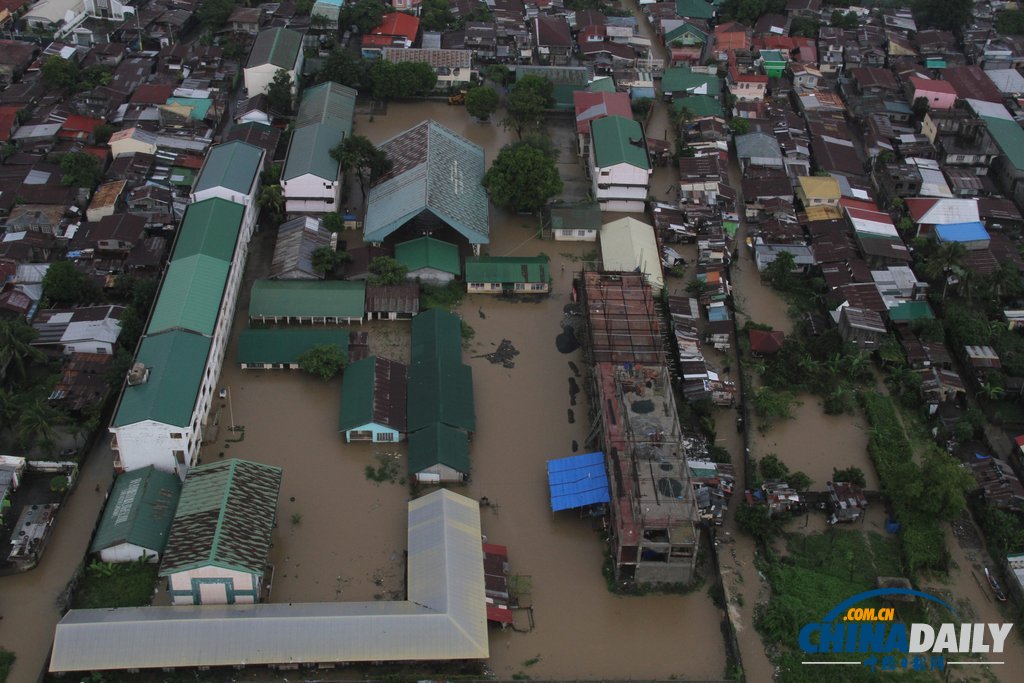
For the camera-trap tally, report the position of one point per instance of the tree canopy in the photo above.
(324, 361)
(325, 260)
(366, 15)
(482, 102)
(214, 13)
(81, 169)
(15, 345)
(358, 155)
(64, 284)
(404, 79)
(523, 177)
(279, 93)
(436, 15)
(59, 73)
(748, 11)
(525, 104)
(1010, 22)
(949, 15)
(385, 270)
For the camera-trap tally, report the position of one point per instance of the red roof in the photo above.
(398, 24)
(594, 105)
(731, 36)
(750, 78)
(101, 153)
(152, 93)
(917, 207)
(189, 161)
(932, 85)
(79, 126)
(13, 6)
(1019, 440)
(868, 215)
(971, 82)
(765, 341)
(862, 204)
(8, 117)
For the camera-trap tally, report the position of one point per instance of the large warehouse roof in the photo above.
(443, 618)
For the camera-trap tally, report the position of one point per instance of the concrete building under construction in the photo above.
(653, 511)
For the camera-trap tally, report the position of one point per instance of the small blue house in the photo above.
(972, 235)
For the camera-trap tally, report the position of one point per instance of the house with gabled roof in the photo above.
(434, 183)
(429, 260)
(552, 39)
(695, 9)
(311, 178)
(231, 171)
(681, 81)
(273, 50)
(929, 212)
(396, 29)
(271, 348)
(508, 275)
(330, 103)
(219, 541)
(620, 168)
(297, 240)
(594, 105)
(373, 401)
(136, 520)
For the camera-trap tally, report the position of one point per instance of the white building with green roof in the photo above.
(620, 168)
(220, 537)
(274, 49)
(160, 417)
(137, 518)
(231, 172)
(311, 179)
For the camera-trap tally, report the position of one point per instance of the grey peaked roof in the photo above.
(445, 616)
(329, 103)
(433, 169)
(278, 46)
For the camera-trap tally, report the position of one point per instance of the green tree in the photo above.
(845, 20)
(482, 102)
(36, 422)
(324, 361)
(332, 222)
(771, 405)
(945, 261)
(271, 199)
(16, 346)
(498, 73)
(95, 76)
(365, 15)
(950, 15)
(59, 74)
(213, 14)
(780, 271)
(739, 126)
(525, 104)
(757, 521)
(849, 475)
(304, 7)
(63, 284)
(920, 107)
(1010, 22)
(101, 133)
(804, 27)
(436, 15)
(522, 178)
(404, 79)
(943, 486)
(81, 169)
(344, 67)
(325, 260)
(279, 93)
(385, 270)
(356, 154)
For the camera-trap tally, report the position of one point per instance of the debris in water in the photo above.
(573, 390)
(575, 446)
(503, 354)
(481, 312)
(574, 368)
(566, 342)
(572, 417)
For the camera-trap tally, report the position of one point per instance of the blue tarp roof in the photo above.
(578, 481)
(961, 232)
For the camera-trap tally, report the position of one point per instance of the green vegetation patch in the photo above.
(106, 584)
(6, 662)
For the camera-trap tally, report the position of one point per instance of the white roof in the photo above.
(31, 273)
(52, 11)
(991, 109)
(629, 245)
(1009, 81)
(947, 211)
(92, 330)
(445, 616)
(933, 183)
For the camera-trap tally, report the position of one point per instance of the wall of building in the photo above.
(311, 194)
(439, 474)
(374, 432)
(575, 235)
(213, 586)
(430, 275)
(128, 552)
(151, 443)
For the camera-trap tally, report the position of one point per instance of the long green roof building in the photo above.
(137, 518)
(307, 301)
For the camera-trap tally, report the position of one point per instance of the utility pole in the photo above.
(231, 410)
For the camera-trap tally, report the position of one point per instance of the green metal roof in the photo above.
(563, 96)
(682, 79)
(357, 394)
(601, 84)
(182, 177)
(427, 252)
(329, 103)
(934, 63)
(436, 170)
(303, 298)
(507, 269)
(908, 311)
(1009, 136)
(438, 444)
(582, 216)
(190, 295)
(773, 56)
(700, 105)
(683, 29)
(225, 517)
(436, 333)
(210, 228)
(618, 140)
(139, 510)
(200, 106)
(309, 151)
(175, 361)
(695, 9)
(277, 46)
(441, 391)
(286, 345)
(233, 165)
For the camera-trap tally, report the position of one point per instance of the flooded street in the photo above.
(29, 608)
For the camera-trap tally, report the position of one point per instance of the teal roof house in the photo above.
(373, 401)
(137, 518)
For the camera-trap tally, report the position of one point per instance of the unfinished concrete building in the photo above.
(653, 512)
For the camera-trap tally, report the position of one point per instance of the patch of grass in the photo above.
(531, 661)
(296, 518)
(448, 297)
(6, 662)
(104, 585)
(386, 469)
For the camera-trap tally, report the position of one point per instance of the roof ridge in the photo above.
(215, 543)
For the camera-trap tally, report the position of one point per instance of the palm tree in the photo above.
(8, 409)
(36, 421)
(991, 391)
(15, 345)
(948, 257)
(271, 199)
